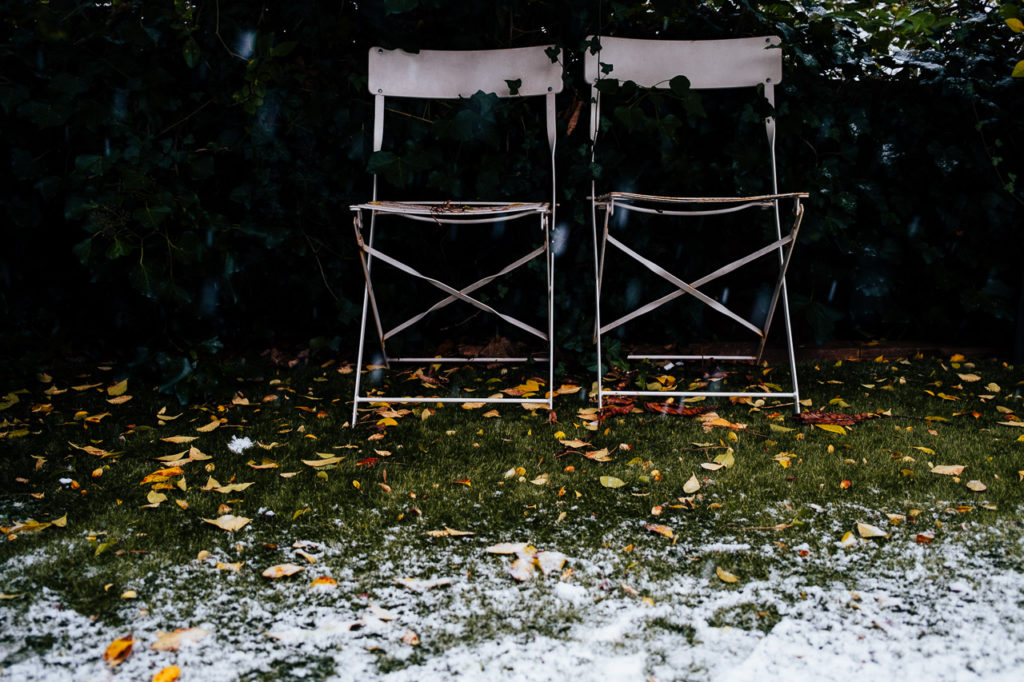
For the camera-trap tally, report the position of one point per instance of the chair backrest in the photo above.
(707, 64)
(450, 74)
(728, 63)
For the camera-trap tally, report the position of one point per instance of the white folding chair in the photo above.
(707, 64)
(436, 74)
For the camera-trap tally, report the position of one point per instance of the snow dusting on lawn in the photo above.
(868, 622)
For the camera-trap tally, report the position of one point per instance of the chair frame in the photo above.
(444, 74)
(708, 64)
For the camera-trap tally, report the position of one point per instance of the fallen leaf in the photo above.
(725, 458)
(120, 388)
(948, 470)
(522, 569)
(866, 530)
(976, 486)
(118, 650)
(410, 638)
(265, 464)
(491, 414)
(692, 485)
(612, 482)
(660, 530)
(472, 406)
(540, 480)
(832, 428)
(282, 571)
(725, 576)
(228, 522)
(206, 428)
(418, 585)
(168, 674)
(511, 548)
(324, 582)
(601, 455)
(179, 439)
(322, 462)
(549, 562)
(449, 532)
(172, 641)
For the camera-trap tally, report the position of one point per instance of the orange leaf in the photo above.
(168, 674)
(118, 650)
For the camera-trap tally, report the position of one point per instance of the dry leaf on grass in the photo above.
(228, 522)
(172, 641)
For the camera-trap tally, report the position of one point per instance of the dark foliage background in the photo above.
(177, 175)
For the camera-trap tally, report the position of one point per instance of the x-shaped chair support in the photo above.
(449, 214)
(782, 246)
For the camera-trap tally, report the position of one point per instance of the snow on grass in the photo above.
(881, 610)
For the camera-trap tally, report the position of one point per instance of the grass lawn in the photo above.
(450, 542)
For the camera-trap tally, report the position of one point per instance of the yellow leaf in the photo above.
(449, 532)
(234, 568)
(282, 570)
(927, 451)
(168, 674)
(1016, 424)
(612, 482)
(832, 428)
(472, 406)
(90, 450)
(228, 522)
(322, 462)
(172, 641)
(118, 650)
(155, 498)
(120, 388)
(129, 594)
(574, 443)
(969, 377)
(711, 466)
(540, 480)
(976, 486)
(206, 428)
(692, 485)
(866, 530)
(179, 439)
(1015, 24)
(265, 464)
(491, 414)
(232, 487)
(324, 582)
(725, 576)
(119, 400)
(726, 459)
(948, 470)
(660, 530)
(162, 475)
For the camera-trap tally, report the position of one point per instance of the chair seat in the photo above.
(447, 211)
(625, 197)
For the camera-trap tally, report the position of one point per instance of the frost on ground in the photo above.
(949, 611)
